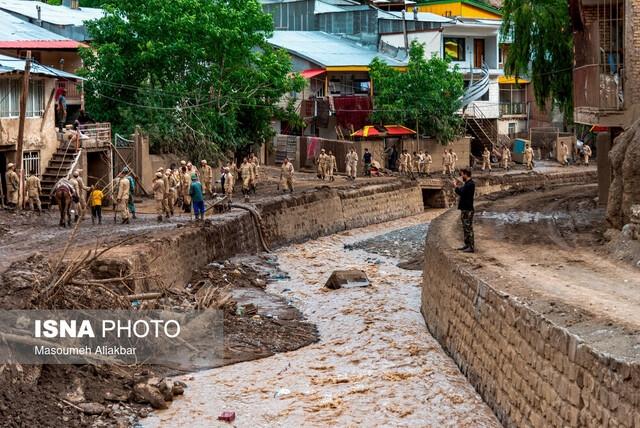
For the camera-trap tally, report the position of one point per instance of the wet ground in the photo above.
(375, 363)
(549, 248)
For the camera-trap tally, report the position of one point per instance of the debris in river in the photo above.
(227, 416)
(281, 392)
(347, 279)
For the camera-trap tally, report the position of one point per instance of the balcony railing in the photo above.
(95, 135)
(595, 87)
(513, 109)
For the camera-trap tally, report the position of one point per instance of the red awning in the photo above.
(384, 131)
(312, 72)
(399, 130)
(599, 128)
(41, 44)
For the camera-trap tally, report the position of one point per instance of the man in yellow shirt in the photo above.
(95, 202)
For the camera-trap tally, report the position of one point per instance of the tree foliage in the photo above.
(197, 75)
(542, 44)
(427, 96)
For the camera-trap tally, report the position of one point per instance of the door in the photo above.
(478, 52)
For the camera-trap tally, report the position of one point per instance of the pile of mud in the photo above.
(256, 325)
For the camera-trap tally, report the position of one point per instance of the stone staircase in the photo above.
(59, 166)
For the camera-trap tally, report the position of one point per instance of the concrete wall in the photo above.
(531, 371)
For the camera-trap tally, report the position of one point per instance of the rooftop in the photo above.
(9, 64)
(422, 16)
(475, 3)
(18, 34)
(327, 50)
(59, 15)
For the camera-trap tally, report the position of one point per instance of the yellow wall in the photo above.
(458, 9)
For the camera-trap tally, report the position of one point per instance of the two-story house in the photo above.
(337, 99)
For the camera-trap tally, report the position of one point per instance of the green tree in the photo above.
(426, 96)
(542, 46)
(197, 75)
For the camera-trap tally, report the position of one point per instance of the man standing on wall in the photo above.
(466, 190)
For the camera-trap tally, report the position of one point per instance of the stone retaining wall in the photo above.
(173, 255)
(296, 218)
(530, 371)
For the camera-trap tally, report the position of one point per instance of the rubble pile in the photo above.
(109, 395)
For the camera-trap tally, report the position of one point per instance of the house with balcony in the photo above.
(47, 49)
(606, 70)
(338, 97)
(606, 84)
(50, 154)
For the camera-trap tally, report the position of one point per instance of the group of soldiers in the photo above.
(32, 189)
(327, 165)
(187, 186)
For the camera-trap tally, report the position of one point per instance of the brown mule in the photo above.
(63, 199)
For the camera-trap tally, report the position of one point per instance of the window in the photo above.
(31, 162)
(361, 86)
(454, 48)
(10, 90)
(512, 129)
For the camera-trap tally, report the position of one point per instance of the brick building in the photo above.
(606, 75)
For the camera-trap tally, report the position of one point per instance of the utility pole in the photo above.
(22, 114)
(404, 31)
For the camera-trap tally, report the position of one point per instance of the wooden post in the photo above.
(21, 118)
(404, 32)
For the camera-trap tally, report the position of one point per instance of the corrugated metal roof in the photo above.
(327, 50)
(422, 17)
(9, 64)
(18, 34)
(59, 15)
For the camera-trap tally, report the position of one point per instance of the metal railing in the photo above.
(95, 134)
(513, 109)
(596, 87)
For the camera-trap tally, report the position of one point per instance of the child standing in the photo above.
(95, 200)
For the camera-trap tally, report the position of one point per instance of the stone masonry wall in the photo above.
(530, 371)
(173, 255)
(295, 218)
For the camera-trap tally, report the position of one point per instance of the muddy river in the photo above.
(375, 363)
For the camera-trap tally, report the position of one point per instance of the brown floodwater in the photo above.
(375, 364)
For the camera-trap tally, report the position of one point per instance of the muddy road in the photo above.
(375, 363)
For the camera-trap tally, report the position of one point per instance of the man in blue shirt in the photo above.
(197, 197)
(132, 190)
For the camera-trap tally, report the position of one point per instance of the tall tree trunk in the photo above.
(625, 186)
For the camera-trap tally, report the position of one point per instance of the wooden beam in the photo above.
(21, 118)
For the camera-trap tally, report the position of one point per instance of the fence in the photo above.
(593, 87)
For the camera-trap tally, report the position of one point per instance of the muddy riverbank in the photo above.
(375, 362)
